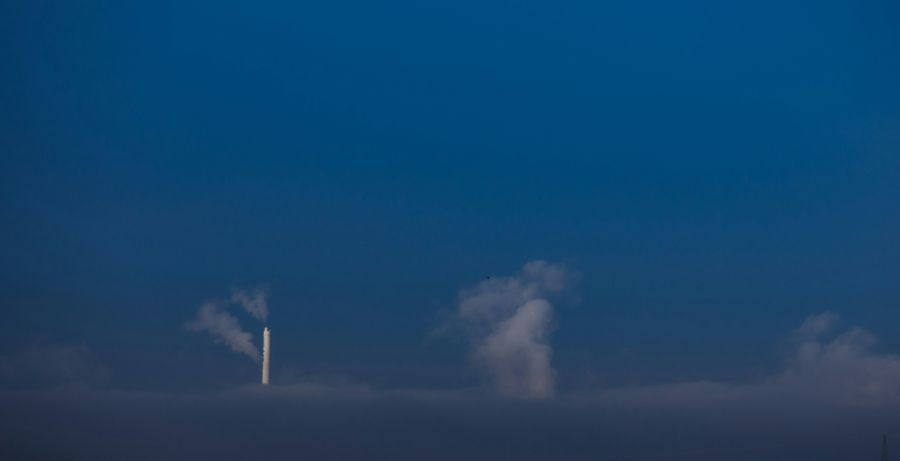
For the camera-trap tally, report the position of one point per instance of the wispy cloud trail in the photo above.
(255, 302)
(224, 328)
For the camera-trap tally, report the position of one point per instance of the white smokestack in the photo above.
(266, 350)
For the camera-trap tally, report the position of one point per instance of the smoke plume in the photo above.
(254, 302)
(510, 321)
(224, 328)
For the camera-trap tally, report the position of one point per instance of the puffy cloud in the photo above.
(843, 368)
(821, 370)
(509, 320)
(517, 352)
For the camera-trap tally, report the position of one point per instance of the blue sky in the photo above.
(715, 172)
(482, 230)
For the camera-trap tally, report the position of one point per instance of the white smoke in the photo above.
(254, 302)
(510, 321)
(224, 328)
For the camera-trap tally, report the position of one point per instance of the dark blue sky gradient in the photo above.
(717, 171)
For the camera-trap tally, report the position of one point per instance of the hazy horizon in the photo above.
(476, 230)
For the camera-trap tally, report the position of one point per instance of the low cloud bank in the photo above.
(350, 424)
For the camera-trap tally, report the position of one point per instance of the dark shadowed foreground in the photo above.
(315, 423)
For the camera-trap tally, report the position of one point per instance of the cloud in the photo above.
(509, 321)
(224, 328)
(819, 370)
(843, 368)
(255, 302)
(517, 352)
(51, 366)
(815, 326)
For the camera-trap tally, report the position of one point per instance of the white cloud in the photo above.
(509, 320)
(839, 370)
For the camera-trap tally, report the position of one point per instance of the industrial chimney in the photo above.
(266, 350)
